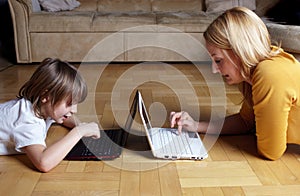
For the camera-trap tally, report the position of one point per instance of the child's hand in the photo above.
(183, 120)
(88, 130)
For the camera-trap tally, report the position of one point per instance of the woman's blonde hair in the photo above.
(242, 31)
(57, 80)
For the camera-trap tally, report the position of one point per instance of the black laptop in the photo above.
(109, 146)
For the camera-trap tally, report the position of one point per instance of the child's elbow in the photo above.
(44, 167)
(44, 170)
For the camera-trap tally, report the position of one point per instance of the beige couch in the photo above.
(125, 30)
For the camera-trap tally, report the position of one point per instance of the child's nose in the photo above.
(74, 108)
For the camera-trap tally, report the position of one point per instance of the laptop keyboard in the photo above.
(109, 140)
(170, 142)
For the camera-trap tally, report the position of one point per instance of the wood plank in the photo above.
(130, 183)
(293, 164)
(192, 191)
(93, 166)
(76, 166)
(169, 181)
(219, 182)
(212, 191)
(217, 153)
(291, 190)
(107, 119)
(232, 151)
(216, 174)
(13, 180)
(282, 172)
(149, 179)
(112, 165)
(264, 172)
(77, 185)
(233, 191)
(26, 184)
(76, 192)
(79, 176)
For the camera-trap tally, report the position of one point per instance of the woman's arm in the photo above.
(273, 95)
(233, 124)
(45, 159)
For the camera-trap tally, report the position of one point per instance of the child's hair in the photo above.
(242, 31)
(54, 79)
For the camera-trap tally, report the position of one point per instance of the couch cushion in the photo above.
(60, 21)
(287, 35)
(120, 21)
(36, 7)
(75, 46)
(222, 5)
(177, 5)
(58, 5)
(87, 5)
(187, 22)
(106, 6)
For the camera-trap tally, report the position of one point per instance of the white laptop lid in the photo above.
(194, 139)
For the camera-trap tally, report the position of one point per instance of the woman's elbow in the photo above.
(271, 154)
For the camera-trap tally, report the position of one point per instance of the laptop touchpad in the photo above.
(192, 134)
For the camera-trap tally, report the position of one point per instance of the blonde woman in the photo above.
(50, 95)
(239, 44)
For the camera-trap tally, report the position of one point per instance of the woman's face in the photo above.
(227, 65)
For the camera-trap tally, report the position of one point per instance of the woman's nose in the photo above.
(215, 68)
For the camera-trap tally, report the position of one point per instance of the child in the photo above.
(239, 44)
(51, 95)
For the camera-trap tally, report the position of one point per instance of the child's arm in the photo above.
(46, 159)
(71, 122)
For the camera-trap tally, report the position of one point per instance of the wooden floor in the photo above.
(232, 168)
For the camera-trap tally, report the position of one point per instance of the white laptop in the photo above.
(166, 143)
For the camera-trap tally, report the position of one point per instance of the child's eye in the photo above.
(69, 103)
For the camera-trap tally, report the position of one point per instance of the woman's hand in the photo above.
(183, 121)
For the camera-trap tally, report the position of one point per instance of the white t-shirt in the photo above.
(20, 127)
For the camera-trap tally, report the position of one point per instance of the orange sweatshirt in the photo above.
(276, 104)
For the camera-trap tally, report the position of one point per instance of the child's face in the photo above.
(60, 112)
(227, 66)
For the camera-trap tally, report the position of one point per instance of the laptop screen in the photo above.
(132, 113)
(144, 111)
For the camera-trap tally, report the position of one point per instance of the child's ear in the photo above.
(44, 99)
